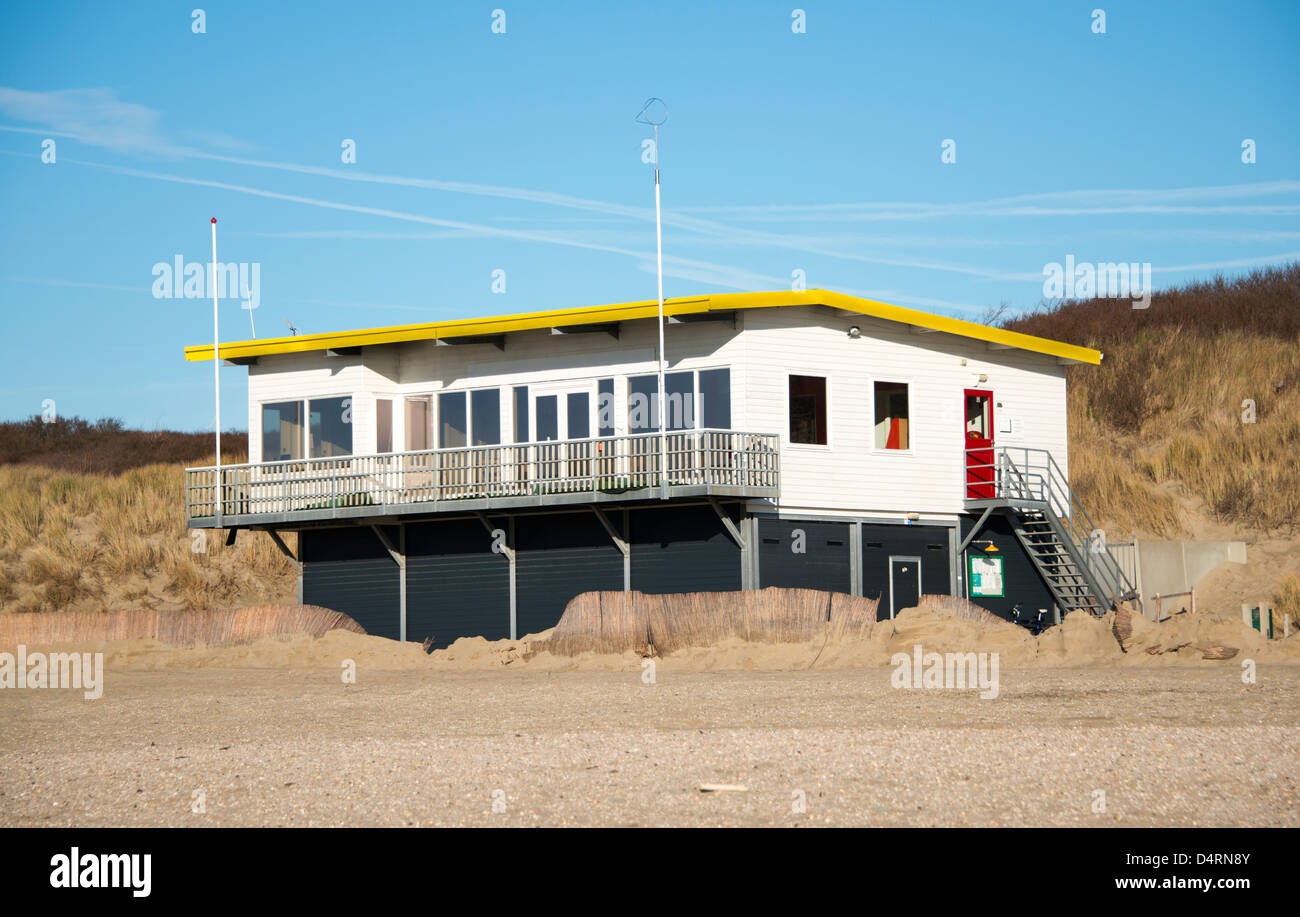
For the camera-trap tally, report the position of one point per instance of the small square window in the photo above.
(808, 410)
(892, 409)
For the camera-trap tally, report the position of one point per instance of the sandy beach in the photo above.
(416, 743)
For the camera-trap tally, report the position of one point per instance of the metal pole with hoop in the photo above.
(654, 112)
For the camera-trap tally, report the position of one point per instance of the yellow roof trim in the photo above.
(621, 312)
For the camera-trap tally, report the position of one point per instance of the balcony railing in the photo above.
(563, 471)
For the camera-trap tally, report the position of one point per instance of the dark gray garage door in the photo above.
(683, 549)
(349, 570)
(560, 556)
(804, 555)
(456, 586)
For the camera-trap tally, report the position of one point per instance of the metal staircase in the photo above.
(1053, 527)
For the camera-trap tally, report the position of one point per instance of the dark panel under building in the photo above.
(683, 549)
(823, 563)
(349, 570)
(559, 556)
(456, 585)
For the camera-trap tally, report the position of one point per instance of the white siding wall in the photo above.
(850, 473)
(767, 345)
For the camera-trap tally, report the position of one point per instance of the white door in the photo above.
(561, 426)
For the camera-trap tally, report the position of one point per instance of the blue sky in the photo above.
(475, 152)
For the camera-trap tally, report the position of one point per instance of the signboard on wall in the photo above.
(986, 576)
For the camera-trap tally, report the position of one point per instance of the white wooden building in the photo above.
(470, 477)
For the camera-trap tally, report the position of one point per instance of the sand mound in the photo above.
(942, 627)
(215, 627)
(618, 622)
(1188, 637)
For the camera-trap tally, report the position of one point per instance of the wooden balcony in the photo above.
(605, 469)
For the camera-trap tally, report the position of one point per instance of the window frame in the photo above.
(911, 417)
(303, 423)
(352, 425)
(505, 422)
(697, 398)
(304, 403)
(785, 429)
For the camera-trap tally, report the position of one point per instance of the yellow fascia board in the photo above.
(906, 316)
(432, 331)
(638, 310)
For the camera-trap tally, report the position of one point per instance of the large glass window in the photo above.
(281, 431)
(485, 422)
(715, 399)
(331, 426)
(452, 422)
(679, 400)
(808, 410)
(892, 415)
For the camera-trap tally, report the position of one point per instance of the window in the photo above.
(605, 407)
(679, 400)
(281, 431)
(548, 418)
(691, 399)
(977, 416)
(521, 413)
(452, 422)
(331, 426)
(418, 411)
(485, 422)
(892, 416)
(642, 404)
(383, 425)
(578, 406)
(808, 410)
(715, 399)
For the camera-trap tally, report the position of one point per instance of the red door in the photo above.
(977, 432)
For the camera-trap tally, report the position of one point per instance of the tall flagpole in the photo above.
(645, 117)
(659, 257)
(216, 374)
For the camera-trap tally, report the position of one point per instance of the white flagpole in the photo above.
(659, 254)
(655, 119)
(216, 373)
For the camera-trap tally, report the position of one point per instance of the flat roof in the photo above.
(621, 312)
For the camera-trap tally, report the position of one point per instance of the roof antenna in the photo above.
(292, 330)
(654, 112)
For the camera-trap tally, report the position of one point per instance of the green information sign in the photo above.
(986, 576)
